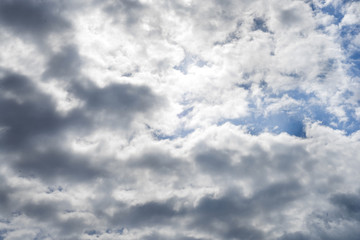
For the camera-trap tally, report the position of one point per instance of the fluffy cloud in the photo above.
(181, 120)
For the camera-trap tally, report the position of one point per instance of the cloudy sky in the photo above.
(180, 119)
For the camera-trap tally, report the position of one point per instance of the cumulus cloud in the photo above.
(34, 20)
(181, 120)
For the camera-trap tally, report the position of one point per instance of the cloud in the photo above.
(65, 64)
(117, 102)
(179, 120)
(34, 20)
(57, 163)
(30, 113)
(348, 204)
(130, 9)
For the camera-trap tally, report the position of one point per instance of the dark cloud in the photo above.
(5, 196)
(32, 121)
(52, 214)
(189, 238)
(159, 163)
(295, 236)
(54, 164)
(246, 233)
(258, 165)
(230, 216)
(228, 209)
(278, 195)
(348, 204)
(289, 161)
(147, 214)
(71, 227)
(32, 18)
(214, 161)
(120, 99)
(226, 217)
(42, 211)
(29, 112)
(116, 103)
(157, 236)
(65, 64)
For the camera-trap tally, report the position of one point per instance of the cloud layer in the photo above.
(187, 120)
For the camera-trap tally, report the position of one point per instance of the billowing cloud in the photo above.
(181, 120)
(33, 20)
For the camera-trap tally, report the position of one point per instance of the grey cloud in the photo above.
(5, 196)
(32, 18)
(64, 64)
(157, 236)
(19, 86)
(42, 211)
(114, 104)
(327, 225)
(234, 212)
(226, 217)
(246, 233)
(225, 209)
(120, 98)
(295, 236)
(214, 161)
(290, 159)
(29, 112)
(51, 214)
(71, 227)
(189, 238)
(130, 9)
(258, 165)
(55, 164)
(147, 214)
(278, 195)
(234, 206)
(117, 103)
(220, 165)
(269, 201)
(289, 17)
(31, 120)
(159, 163)
(348, 204)
(339, 222)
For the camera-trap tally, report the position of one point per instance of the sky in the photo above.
(180, 119)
